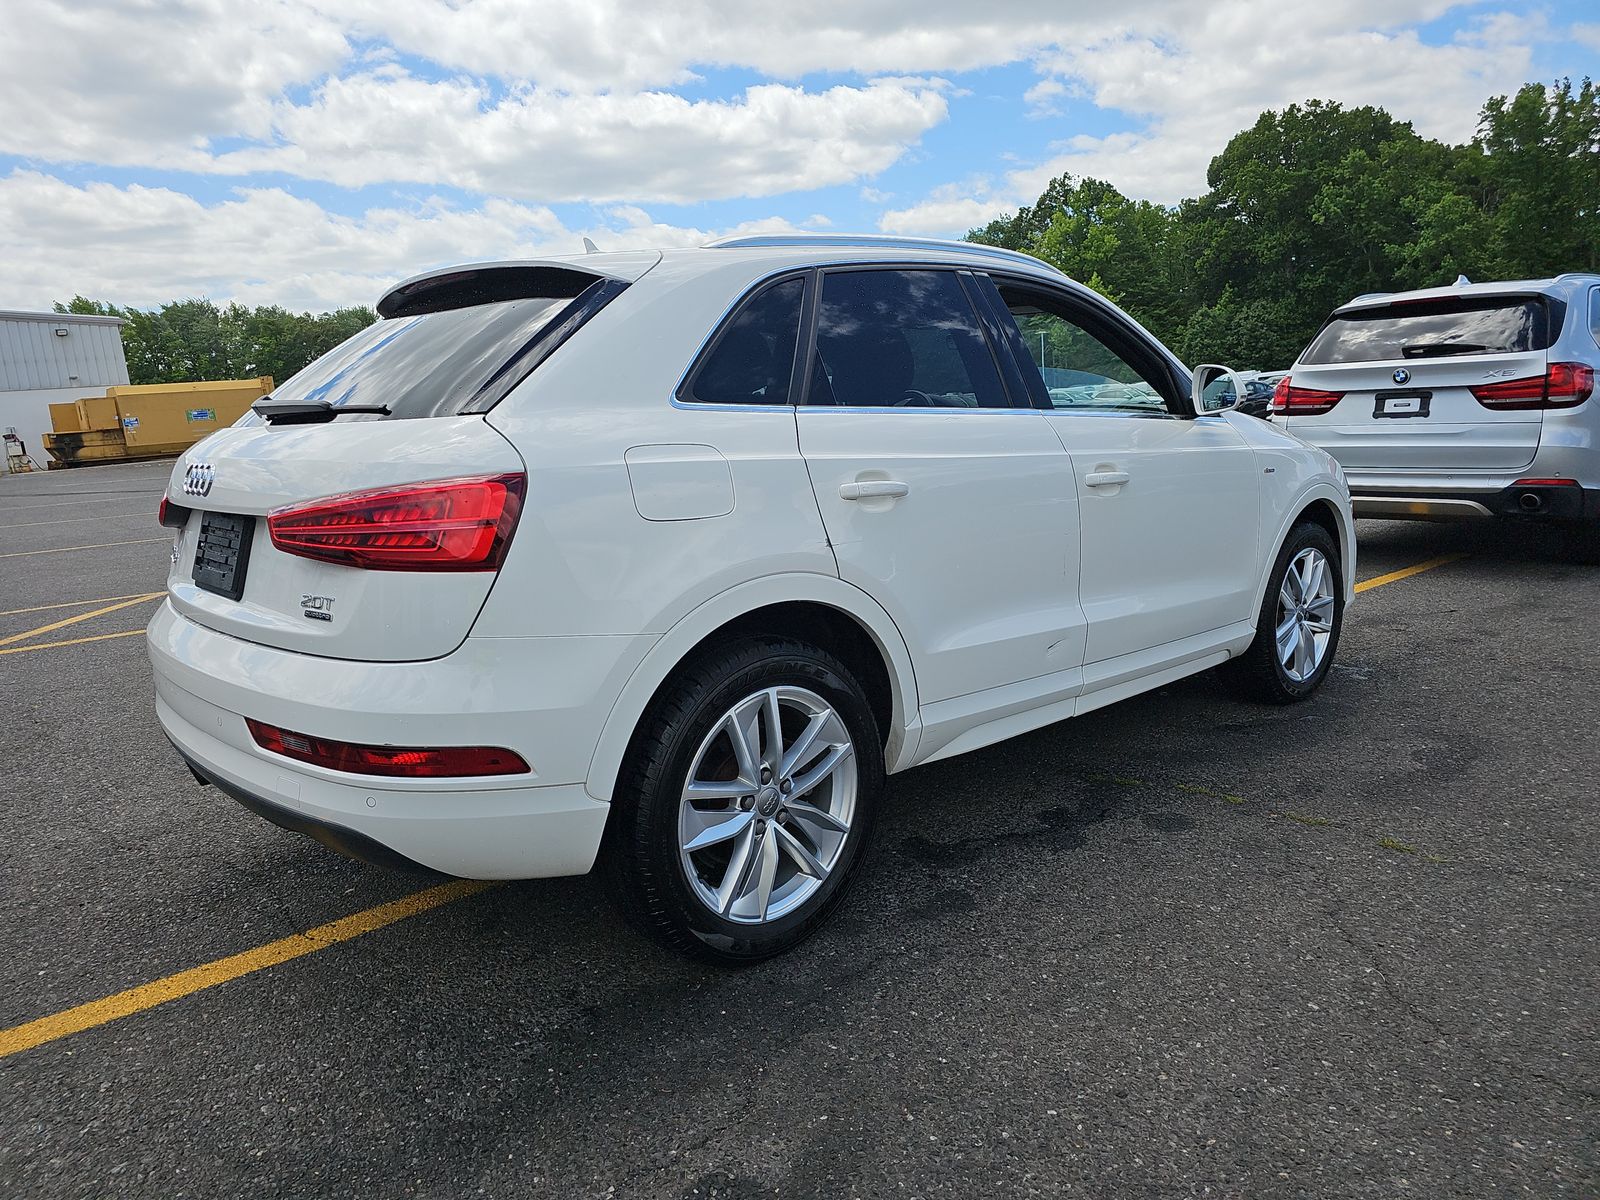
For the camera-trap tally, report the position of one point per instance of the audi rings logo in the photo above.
(1402, 376)
(197, 480)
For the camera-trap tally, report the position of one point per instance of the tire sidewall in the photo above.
(756, 668)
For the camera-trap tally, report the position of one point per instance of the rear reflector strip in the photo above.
(412, 762)
(173, 516)
(445, 525)
(1545, 483)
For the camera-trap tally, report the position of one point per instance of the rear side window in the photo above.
(1594, 314)
(901, 339)
(753, 358)
(1434, 329)
(436, 364)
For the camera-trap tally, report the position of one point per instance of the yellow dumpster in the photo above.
(140, 421)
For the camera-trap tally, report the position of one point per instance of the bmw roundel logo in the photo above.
(1402, 375)
(197, 480)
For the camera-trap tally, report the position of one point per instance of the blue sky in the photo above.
(308, 152)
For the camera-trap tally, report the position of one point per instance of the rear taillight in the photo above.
(1291, 401)
(409, 761)
(1563, 385)
(448, 525)
(173, 516)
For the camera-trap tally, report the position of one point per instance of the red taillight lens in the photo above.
(1291, 401)
(173, 516)
(411, 762)
(1563, 385)
(450, 525)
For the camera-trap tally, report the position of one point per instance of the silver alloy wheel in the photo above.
(1305, 614)
(767, 805)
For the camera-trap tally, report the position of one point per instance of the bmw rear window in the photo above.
(1435, 329)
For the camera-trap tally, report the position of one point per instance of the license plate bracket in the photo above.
(1412, 403)
(223, 554)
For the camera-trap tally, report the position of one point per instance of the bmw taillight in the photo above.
(1563, 385)
(445, 525)
(1291, 401)
(412, 762)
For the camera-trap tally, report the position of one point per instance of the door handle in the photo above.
(1105, 478)
(872, 489)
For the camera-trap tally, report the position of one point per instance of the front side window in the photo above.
(1080, 371)
(754, 357)
(901, 339)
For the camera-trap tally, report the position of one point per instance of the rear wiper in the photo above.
(1435, 349)
(310, 412)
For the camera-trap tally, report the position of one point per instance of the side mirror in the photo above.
(1215, 389)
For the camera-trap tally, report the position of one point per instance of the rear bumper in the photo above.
(491, 828)
(1445, 500)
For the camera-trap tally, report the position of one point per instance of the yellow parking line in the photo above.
(1366, 585)
(186, 983)
(76, 520)
(65, 621)
(95, 546)
(99, 637)
(17, 612)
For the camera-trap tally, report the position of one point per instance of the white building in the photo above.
(47, 358)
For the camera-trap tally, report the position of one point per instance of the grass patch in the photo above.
(1196, 788)
(1315, 822)
(1389, 843)
(1232, 799)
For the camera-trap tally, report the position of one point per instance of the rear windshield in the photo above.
(1434, 329)
(433, 365)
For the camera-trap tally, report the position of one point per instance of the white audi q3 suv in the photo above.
(666, 559)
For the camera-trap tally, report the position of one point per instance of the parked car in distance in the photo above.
(666, 559)
(1474, 400)
(1256, 400)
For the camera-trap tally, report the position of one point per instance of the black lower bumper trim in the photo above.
(335, 837)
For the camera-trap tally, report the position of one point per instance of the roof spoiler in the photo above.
(486, 283)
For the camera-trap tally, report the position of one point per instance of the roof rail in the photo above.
(1578, 275)
(877, 241)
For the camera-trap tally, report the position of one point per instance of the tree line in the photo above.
(1317, 204)
(188, 340)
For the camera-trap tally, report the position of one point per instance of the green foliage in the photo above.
(190, 340)
(1316, 204)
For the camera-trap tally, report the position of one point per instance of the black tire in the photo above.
(641, 859)
(1257, 673)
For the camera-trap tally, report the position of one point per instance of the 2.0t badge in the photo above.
(317, 608)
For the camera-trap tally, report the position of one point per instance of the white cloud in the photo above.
(143, 246)
(389, 126)
(1197, 74)
(1587, 35)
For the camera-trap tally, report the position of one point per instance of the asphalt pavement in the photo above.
(1184, 946)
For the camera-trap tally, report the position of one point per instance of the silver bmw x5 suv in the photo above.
(1474, 400)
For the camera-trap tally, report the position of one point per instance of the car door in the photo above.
(1169, 502)
(945, 496)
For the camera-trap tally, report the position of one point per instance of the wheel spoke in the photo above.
(816, 818)
(1304, 657)
(1285, 596)
(743, 725)
(1318, 626)
(760, 871)
(1289, 643)
(1286, 627)
(796, 850)
(798, 754)
(825, 766)
(1316, 568)
(772, 742)
(719, 789)
(702, 829)
(737, 876)
(1321, 607)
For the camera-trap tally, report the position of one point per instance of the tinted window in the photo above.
(754, 357)
(425, 366)
(906, 339)
(1594, 314)
(1079, 370)
(1433, 329)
